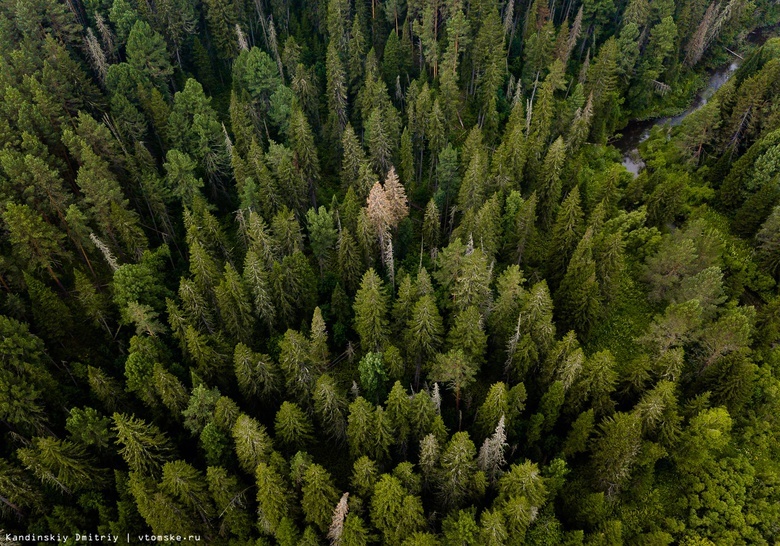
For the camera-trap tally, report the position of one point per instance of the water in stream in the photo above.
(638, 131)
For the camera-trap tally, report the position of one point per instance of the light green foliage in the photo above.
(373, 377)
(319, 496)
(371, 312)
(252, 443)
(456, 369)
(146, 52)
(394, 512)
(143, 447)
(292, 427)
(272, 498)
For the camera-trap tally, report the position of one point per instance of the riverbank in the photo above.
(638, 130)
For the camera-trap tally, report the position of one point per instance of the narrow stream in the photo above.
(638, 131)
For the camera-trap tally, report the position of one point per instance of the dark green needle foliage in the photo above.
(397, 272)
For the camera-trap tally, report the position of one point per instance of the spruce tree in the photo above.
(273, 499)
(579, 295)
(144, 447)
(371, 312)
(292, 427)
(252, 443)
(318, 497)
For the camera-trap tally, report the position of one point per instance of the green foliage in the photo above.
(373, 376)
(231, 227)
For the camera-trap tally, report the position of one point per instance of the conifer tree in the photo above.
(234, 304)
(257, 282)
(373, 376)
(292, 427)
(395, 513)
(566, 234)
(322, 234)
(62, 464)
(300, 372)
(318, 497)
(337, 97)
(424, 330)
(579, 292)
(360, 427)
(468, 335)
(273, 499)
(550, 183)
(222, 18)
(318, 343)
(144, 446)
(491, 454)
(330, 407)
(252, 443)
(500, 402)
(455, 369)
(226, 492)
(459, 477)
(371, 312)
(146, 52)
(615, 451)
(35, 242)
(349, 262)
(769, 247)
(534, 333)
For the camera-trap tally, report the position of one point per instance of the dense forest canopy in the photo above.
(340, 272)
